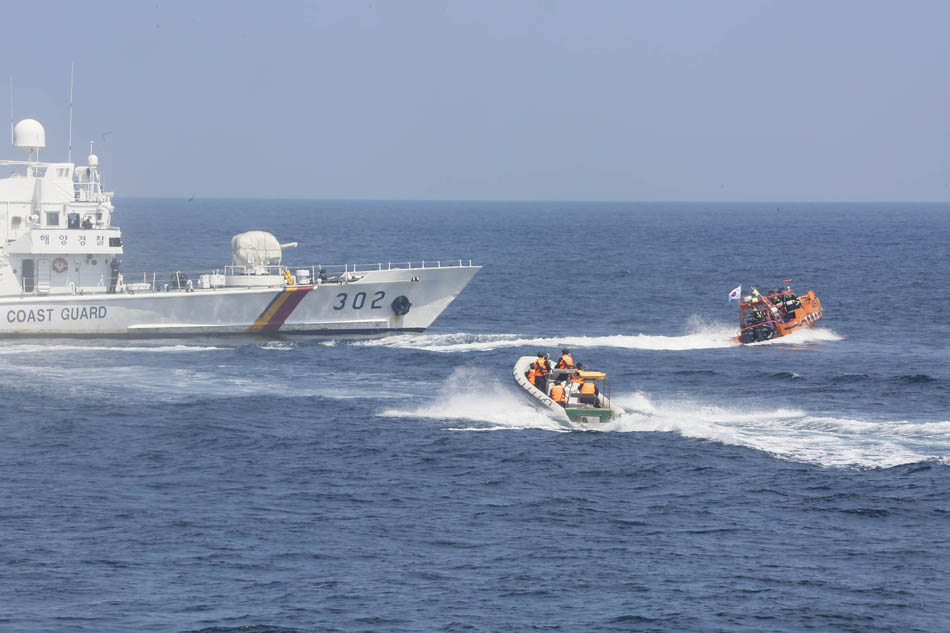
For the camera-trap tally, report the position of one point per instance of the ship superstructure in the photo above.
(57, 235)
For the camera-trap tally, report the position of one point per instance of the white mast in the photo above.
(11, 109)
(72, 71)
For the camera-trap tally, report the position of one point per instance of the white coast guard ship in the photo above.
(60, 272)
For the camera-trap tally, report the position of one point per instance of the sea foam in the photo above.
(792, 434)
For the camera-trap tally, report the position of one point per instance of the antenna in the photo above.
(72, 71)
(11, 109)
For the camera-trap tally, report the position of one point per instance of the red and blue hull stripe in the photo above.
(279, 309)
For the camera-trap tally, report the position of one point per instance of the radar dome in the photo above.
(29, 135)
(93, 161)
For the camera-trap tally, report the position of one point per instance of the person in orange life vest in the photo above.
(566, 361)
(541, 364)
(587, 390)
(576, 380)
(541, 368)
(557, 394)
(532, 374)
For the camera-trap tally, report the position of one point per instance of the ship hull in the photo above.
(368, 305)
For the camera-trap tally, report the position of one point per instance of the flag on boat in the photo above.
(735, 293)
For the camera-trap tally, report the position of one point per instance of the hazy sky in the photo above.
(511, 100)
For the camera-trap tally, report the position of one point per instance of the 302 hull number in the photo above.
(359, 300)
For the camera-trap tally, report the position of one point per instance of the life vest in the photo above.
(541, 367)
(566, 362)
(588, 388)
(531, 374)
(557, 394)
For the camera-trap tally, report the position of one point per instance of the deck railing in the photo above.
(319, 273)
(191, 280)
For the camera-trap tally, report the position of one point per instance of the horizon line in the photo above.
(193, 197)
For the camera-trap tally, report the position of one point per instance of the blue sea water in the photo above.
(400, 483)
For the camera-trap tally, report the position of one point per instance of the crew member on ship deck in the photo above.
(115, 275)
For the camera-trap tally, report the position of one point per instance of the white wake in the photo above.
(698, 336)
(791, 434)
(43, 350)
(471, 394)
(463, 342)
(804, 336)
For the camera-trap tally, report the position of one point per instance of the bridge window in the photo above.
(52, 218)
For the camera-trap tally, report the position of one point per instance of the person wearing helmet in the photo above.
(566, 362)
(541, 369)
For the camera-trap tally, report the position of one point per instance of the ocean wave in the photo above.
(278, 346)
(916, 379)
(908, 380)
(786, 375)
(849, 378)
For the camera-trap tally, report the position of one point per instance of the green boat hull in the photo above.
(589, 414)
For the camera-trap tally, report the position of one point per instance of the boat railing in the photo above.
(319, 273)
(429, 263)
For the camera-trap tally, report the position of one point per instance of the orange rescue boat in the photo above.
(774, 314)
